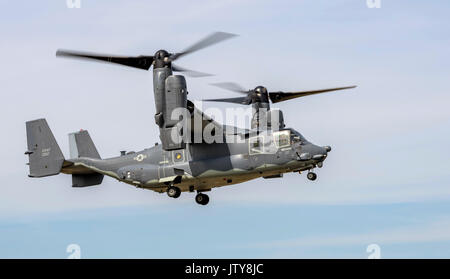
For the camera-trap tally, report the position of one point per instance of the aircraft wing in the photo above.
(197, 117)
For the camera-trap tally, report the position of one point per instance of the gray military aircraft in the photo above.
(181, 164)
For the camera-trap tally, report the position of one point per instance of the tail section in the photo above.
(81, 145)
(45, 156)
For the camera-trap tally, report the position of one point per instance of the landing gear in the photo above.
(173, 192)
(202, 199)
(311, 176)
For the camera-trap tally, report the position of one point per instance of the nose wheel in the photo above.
(202, 199)
(173, 192)
(311, 176)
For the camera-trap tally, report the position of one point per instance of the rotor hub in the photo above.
(162, 59)
(260, 95)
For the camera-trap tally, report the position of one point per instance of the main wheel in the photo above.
(202, 199)
(173, 192)
(311, 176)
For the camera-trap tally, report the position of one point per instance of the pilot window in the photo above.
(282, 138)
(256, 145)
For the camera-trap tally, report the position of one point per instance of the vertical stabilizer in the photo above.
(81, 145)
(45, 156)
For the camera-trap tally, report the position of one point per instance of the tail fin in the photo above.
(81, 145)
(45, 156)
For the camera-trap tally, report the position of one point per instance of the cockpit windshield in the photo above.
(297, 137)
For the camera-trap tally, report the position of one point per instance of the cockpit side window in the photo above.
(282, 138)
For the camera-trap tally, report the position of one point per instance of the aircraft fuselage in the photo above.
(202, 166)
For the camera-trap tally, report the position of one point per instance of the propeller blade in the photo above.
(212, 39)
(280, 96)
(188, 72)
(237, 100)
(231, 86)
(140, 62)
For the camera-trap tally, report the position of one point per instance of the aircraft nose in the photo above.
(319, 152)
(312, 151)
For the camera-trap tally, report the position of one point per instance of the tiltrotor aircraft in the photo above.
(268, 149)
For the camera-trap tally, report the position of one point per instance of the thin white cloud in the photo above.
(433, 232)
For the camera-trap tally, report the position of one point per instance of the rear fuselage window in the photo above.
(256, 145)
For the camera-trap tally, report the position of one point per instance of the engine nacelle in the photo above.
(159, 77)
(175, 97)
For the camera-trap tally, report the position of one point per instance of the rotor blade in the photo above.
(212, 39)
(280, 96)
(231, 86)
(188, 72)
(237, 100)
(140, 62)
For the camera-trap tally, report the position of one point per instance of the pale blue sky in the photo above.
(386, 180)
